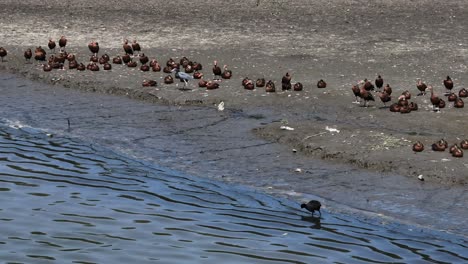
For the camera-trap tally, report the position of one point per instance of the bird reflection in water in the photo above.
(314, 220)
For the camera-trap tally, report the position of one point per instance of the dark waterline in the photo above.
(68, 201)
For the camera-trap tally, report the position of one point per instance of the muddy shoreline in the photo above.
(341, 48)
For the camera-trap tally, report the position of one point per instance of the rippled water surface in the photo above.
(66, 201)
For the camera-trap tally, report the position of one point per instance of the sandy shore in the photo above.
(338, 41)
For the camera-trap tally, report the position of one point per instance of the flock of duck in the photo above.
(132, 54)
(442, 145)
(363, 90)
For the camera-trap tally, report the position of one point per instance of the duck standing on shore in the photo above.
(421, 87)
(28, 55)
(136, 47)
(448, 83)
(365, 94)
(51, 45)
(94, 47)
(286, 82)
(435, 100)
(356, 92)
(62, 43)
(368, 86)
(3, 52)
(127, 48)
(385, 98)
(379, 82)
(216, 70)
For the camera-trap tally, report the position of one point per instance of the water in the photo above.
(67, 201)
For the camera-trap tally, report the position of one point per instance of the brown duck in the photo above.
(216, 70)
(127, 48)
(413, 106)
(463, 92)
(385, 98)
(28, 55)
(356, 92)
(117, 60)
(458, 103)
(456, 151)
(438, 146)
(40, 54)
(149, 83)
(156, 67)
(211, 85)
(407, 94)
(47, 67)
(107, 66)
(452, 97)
(132, 64)
(421, 87)
(202, 83)
(197, 75)
(270, 87)
(321, 84)
(435, 100)
(227, 74)
(366, 96)
(136, 46)
(143, 58)
(418, 146)
(448, 83)
(51, 45)
(168, 79)
(126, 58)
(144, 67)
(81, 67)
(3, 53)
(368, 86)
(286, 82)
(298, 86)
(387, 89)
(94, 47)
(260, 82)
(379, 82)
(464, 144)
(248, 84)
(395, 107)
(72, 64)
(62, 43)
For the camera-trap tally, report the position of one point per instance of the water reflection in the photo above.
(71, 202)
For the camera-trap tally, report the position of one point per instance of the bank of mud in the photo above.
(351, 41)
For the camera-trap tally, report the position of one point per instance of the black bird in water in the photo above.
(312, 206)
